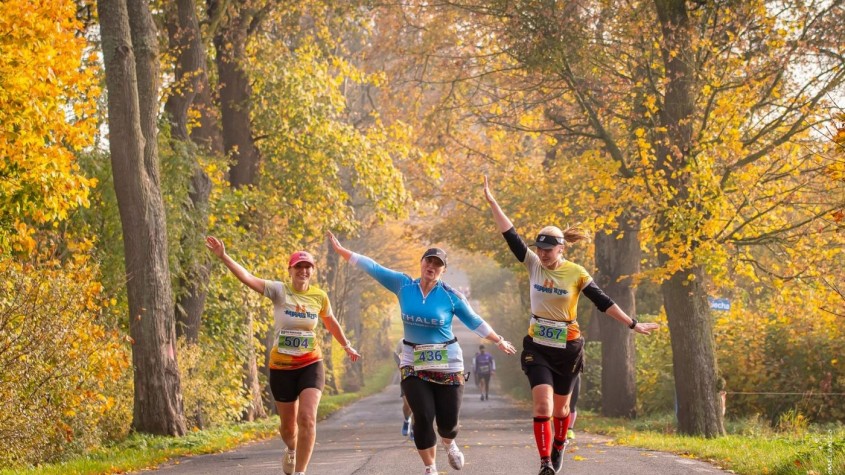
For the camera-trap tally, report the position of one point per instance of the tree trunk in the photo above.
(255, 409)
(332, 286)
(235, 102)
(238, 142)
(131, 63)
(187, 46)
(693, 355)
(684, 297)
(618, 256)
(353, 323)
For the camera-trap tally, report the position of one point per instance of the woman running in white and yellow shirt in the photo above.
(553, 351)
(297, 375)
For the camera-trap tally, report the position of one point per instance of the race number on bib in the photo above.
(295, 342)
(550, 333)
(431, 357)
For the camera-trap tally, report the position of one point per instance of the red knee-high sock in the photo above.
(543, 436)
(561, 426)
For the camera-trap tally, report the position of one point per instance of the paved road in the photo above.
(495, 435)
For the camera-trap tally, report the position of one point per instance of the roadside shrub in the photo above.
(58, 362)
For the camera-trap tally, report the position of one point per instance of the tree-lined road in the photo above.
(496, 437)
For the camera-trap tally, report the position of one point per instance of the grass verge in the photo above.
(751, 446)
(141, 451)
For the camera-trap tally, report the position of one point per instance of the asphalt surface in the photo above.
(496, 437)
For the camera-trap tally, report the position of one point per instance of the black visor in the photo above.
(547, 241)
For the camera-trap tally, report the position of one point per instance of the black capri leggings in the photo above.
(432, 402)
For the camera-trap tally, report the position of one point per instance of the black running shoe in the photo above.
(557, 457)
(546, 469)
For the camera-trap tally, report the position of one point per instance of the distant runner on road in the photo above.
(296, 360)
(432, 362)
(553, 351)
(484, 367)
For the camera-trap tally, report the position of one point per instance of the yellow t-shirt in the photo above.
(295, 316)
(554, 293)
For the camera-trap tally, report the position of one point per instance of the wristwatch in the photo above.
(633, 323)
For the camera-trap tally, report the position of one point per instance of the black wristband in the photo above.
(633, 323)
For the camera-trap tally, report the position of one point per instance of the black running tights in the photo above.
(432, 402)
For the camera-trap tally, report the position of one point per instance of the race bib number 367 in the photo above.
(430, 357)
(550, 333)
(295, 342)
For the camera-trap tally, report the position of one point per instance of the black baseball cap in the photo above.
(436, 252)
(547, 241)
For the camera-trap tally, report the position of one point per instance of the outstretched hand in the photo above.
(338, 248)
(215, 246)
(506, 346)
(487, 193)
(646, 328)
(353, 354)
(333, 241)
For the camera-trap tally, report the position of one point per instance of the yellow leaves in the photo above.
(63, 347)
(839, 138)
(47, 103)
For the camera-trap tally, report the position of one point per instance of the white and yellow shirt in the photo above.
(554, 293)
(295, 316)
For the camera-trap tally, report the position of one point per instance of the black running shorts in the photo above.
(557, 367)
(286, 384)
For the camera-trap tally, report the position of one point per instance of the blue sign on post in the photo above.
(719, 304)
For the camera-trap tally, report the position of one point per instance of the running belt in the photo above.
(412, 344)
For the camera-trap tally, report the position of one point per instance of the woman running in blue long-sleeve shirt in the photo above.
(431, 363)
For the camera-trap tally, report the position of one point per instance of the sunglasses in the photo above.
(434, 261)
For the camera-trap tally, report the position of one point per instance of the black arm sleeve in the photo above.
(517, 245)
(598, 297)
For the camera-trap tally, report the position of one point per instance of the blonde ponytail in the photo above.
(573, 234)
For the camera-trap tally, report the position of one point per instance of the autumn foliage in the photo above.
(48, 94)
(378, 123)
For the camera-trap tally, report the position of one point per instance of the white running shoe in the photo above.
(431, 470)
(289, 462)
(456, 457)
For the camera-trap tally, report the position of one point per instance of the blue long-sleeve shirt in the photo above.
(426, 318)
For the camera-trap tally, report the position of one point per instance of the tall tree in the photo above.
(617, 260)
(191, 91)
(130, 53)
(684, 292)
(237, 20)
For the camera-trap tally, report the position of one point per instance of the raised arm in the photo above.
(218, 249)
(338, 248)
(390, 279)
(502, 221)
(505, 226)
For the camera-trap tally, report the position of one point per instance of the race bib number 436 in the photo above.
(295, 342)
(550, 333)
(430, 357)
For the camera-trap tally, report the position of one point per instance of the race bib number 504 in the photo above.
(295, 342)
